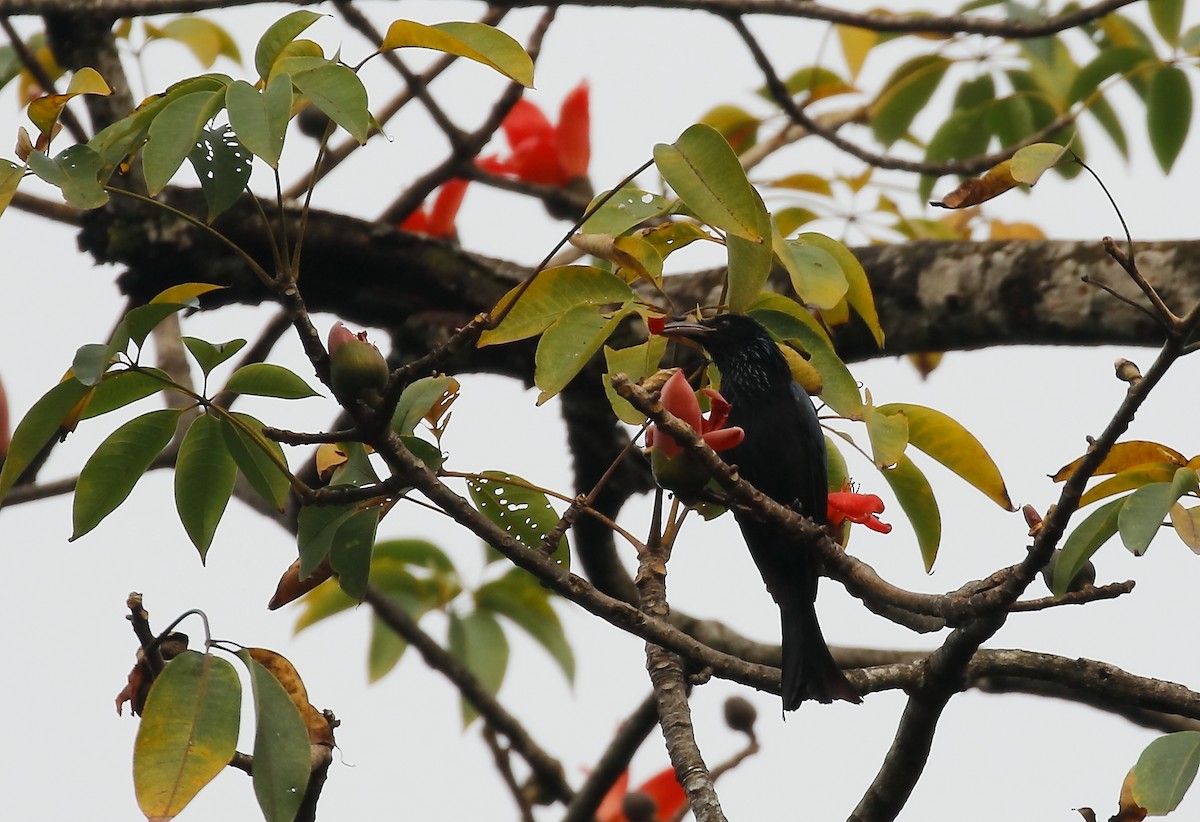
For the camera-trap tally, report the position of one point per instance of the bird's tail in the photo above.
(809, 670)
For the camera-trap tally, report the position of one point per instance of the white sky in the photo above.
(403, 752)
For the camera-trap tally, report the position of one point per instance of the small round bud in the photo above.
(740, 714)
(1127, 371)
(639, 807)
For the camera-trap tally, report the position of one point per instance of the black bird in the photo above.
(783, 456)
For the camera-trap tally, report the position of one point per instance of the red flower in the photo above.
(438, 221)
(663, 789)
(541, 152)
(678, 398)
(861, 508)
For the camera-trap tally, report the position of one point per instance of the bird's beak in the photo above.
(693, 331)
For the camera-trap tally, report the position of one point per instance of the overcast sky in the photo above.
(402, 751)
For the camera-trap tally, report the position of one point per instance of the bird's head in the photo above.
(739, 345)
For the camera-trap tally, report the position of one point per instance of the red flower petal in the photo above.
(875, 524)
(609, 809)
(724, 439)
(525, 121)
(535, 160)
(445, 208)
(655, 325)
(573, 135)
(666, 792)
(678, 398)
(718, 410)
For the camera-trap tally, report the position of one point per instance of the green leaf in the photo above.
(188, 732)
(278, 36)
(204, 477)
(749, 261)
(268, 380)
(552, 294)
(76, 172)
(476, 41)
(282, 753)
(706, 174)
(41, 424)
(1168, 113)
(139, 322)
(787, 320)
(417, 400)
(10, 177)
(1120, 60)
(222, 165)
(316, 526)
(253, 454)
(91, 362)
(523, 513)
(1084, 541)
(1128, 480)
(947, 441)
(120, 388)
(568, 344)
(903, 96)
(1029, 163)
(518, 596)
(1010, 119)
(815, 273)
(1167, 16)
(1165, 771)
(636, 362)
(118, 463)
(1190, 42)
(173, 134)
(207, 355)
(385, 647)
(915, 496)
(337, 91)
(479, 642)
(1146, 508)
(888, 433)
(350, 551)
(260, 119)
(627, 208)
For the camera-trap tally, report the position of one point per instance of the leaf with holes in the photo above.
(222, 165)
(525, 514)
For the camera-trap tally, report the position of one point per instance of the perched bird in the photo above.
(783, 456)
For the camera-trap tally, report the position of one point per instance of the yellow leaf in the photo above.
(888, 433)
(1186, 522)
(803, 371)
(948, 442)
(856, 45)
(1000, 230)
(1130, 478)
(1126, 455)
(926, 361)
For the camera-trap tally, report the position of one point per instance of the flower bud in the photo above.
(355, 365)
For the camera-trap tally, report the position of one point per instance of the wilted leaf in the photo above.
(1186, 522)
(281, 668)
(188, 733)
(420, 398)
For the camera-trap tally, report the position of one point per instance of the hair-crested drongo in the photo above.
(783, 456)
